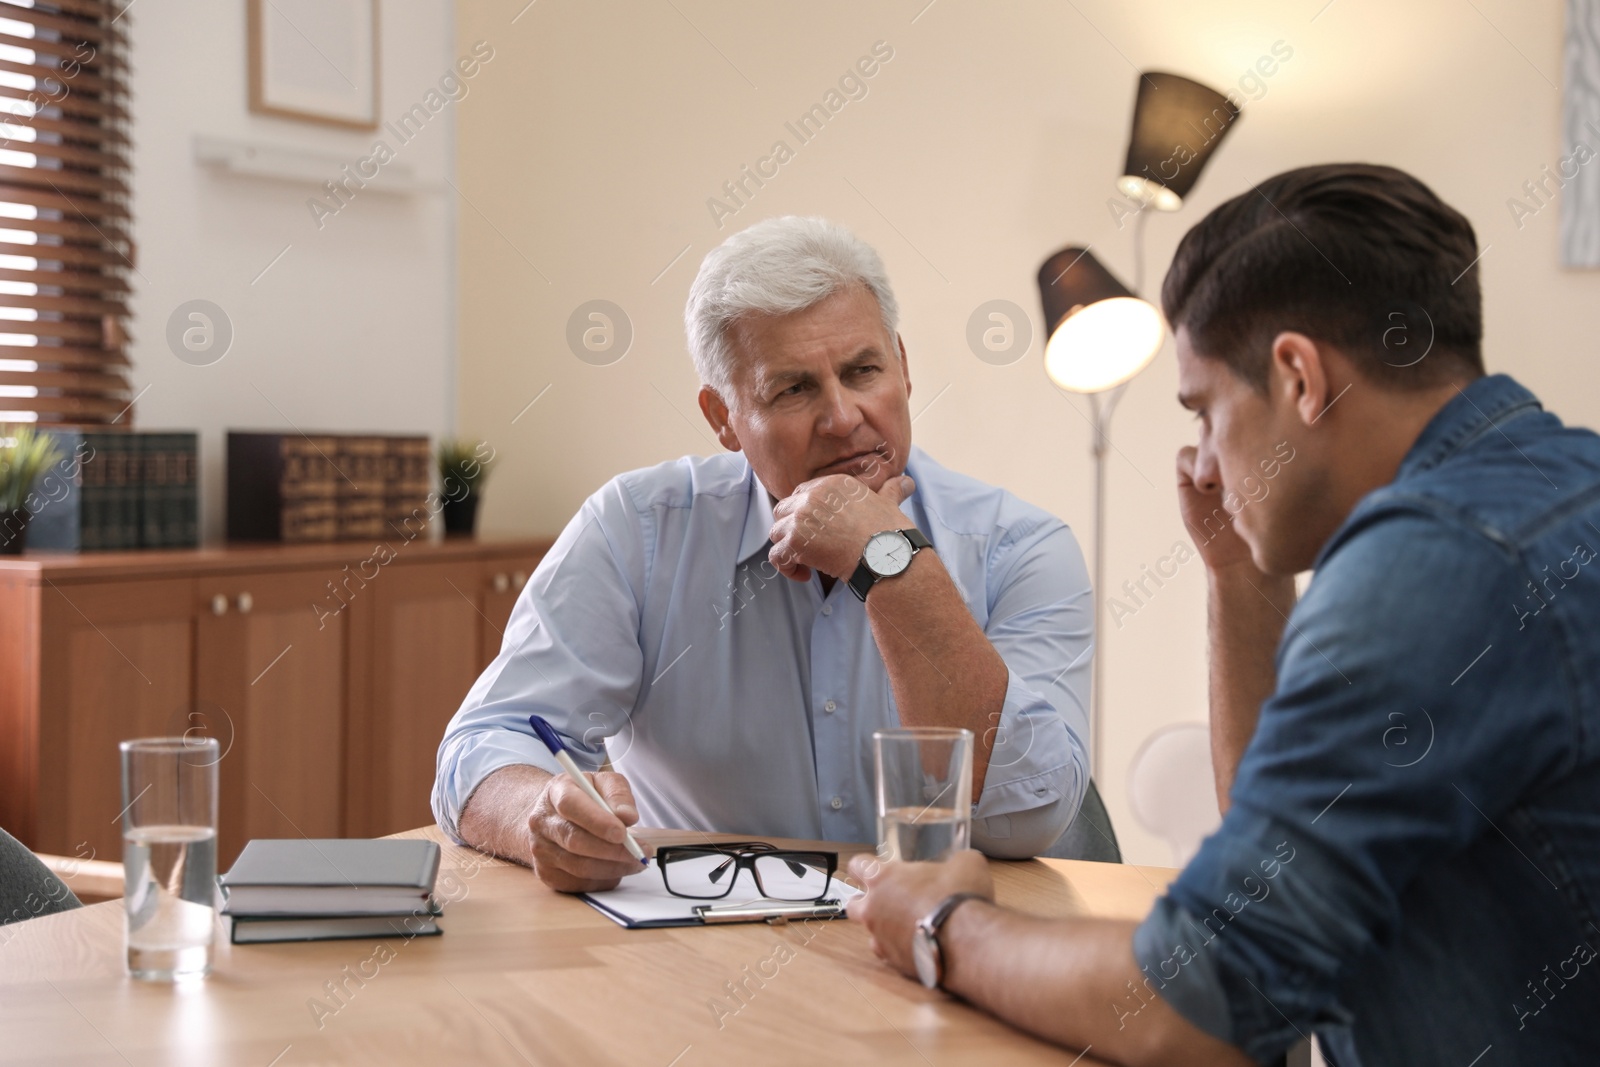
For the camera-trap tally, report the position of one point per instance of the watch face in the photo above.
(888, 553)
(925, 953)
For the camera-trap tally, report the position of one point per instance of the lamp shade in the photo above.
(1098, 334)
(1177, 124)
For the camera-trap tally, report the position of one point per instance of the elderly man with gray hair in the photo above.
(720, 629)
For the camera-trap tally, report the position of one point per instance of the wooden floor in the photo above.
(523, 975)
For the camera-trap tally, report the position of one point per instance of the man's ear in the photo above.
(1300, 375)
(905, 368)
(716, 413)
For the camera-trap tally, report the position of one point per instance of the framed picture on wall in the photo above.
(315, 60)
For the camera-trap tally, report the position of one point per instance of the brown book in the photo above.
(408, 479)
(360, 487)
(282, 487)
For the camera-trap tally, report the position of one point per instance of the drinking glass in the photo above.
(169, 852)
(924, 792)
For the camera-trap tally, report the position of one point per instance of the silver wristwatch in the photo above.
(925, 949)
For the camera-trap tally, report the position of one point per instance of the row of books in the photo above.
(326, 487)
(118, 489)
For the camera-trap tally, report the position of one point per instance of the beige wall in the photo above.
(589, 148)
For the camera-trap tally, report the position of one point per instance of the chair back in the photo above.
(1171, 788)
(28, 888)
(1089, 836)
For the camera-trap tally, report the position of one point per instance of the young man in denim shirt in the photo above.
(1409, 860)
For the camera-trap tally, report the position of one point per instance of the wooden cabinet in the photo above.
(271, 678)
(326, 676)
(116, 661)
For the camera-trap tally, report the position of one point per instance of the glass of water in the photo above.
(169, 852)
(924, 792)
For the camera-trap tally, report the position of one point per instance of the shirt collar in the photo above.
(757, 522)
(1480, 407)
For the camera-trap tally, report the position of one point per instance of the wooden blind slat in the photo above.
(72, 103)
(64, 405)
(74, 205)
(77, 231)
(90, 8)
(75, 130)
(65, 355)
(78, 81)
(69, 280)
(66, 305)
(86, 57)
(64, 181)
(66, 254)
(69, 28)
(66, 381)
(67, 330)
(76, 155)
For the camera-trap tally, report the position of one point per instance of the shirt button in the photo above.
(827, 609)
(830, 707)
(836, 803)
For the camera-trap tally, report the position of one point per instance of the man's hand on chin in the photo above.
(824, 525)
(899, 895)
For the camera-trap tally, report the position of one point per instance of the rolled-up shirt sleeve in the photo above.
(1386, 747)
(1041, 621)
(570, 653)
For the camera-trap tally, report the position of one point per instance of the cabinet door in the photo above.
(499, 584)
(425, 640)
(117, 662)
(271, 687)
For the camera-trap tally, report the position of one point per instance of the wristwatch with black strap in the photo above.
(887, 554)
(925, 950)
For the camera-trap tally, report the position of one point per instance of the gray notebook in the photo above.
(331, 876)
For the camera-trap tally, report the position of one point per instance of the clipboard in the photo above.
(641, 902)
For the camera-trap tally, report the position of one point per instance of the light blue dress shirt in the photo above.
(734, 699)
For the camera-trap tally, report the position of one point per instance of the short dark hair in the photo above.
(1360, 256)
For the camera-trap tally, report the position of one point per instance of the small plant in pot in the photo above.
(463, 468)
(24, 455)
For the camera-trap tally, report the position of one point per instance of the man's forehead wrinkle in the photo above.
(765, 375)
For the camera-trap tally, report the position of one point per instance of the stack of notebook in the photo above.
(314, 890)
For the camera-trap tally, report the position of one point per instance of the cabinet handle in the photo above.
(245, 602)
(219, 605)
(501, 583)
(519, 579)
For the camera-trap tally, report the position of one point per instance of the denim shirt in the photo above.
(1410, 866)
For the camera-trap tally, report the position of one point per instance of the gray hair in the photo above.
(775, 267)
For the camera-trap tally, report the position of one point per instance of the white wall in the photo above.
(990, 140)
(354, 328)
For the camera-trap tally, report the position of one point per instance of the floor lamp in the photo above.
(1100, 337)
(1099, 333)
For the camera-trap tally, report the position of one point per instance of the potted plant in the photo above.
(463, 468)
(24, 455)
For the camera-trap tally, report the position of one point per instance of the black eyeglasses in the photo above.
(707, 872)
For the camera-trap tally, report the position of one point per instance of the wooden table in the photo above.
(525, 975)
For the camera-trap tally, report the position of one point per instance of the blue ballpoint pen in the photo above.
(552, 741)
